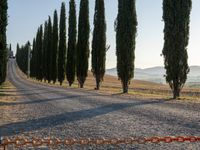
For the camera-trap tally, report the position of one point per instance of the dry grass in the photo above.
(7, 93)
(137, 89)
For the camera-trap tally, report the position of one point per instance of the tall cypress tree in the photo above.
(39, 54)
(125, 41)
(22, 55)
(3, 48)
(49, 51)
(17, 51)
(62, 45)
(176, 15)
(71, 54)
(36, 51)
(99, 43)
(83, 42)
(45, 43)
(32, 62)
(10, 49)
(55, 47)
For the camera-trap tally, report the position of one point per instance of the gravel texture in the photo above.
(45, 111)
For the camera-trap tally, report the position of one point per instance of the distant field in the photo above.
(142, 89)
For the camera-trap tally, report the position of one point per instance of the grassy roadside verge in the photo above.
(7, 93)
(137, 89)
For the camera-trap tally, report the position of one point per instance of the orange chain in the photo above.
(19, 142)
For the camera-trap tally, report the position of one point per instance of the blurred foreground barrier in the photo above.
(54, 142)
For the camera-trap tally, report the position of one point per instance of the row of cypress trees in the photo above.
(176, 16)
(49, 50)
(22, 55)
(60, 59)
(3, 45)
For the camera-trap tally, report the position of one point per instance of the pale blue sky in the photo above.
(26, 15)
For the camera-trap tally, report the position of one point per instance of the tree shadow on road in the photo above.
(44, 100)
(52, 121)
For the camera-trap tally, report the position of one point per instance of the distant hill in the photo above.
(156, 74)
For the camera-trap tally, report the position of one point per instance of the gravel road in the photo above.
(45, 111)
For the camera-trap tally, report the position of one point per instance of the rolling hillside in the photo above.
(156, 74)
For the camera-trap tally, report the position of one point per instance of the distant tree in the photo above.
(39, 56)
(22, 57)
(54, 47)
(125, 41)
(45, 51)
(62, 45)
(99, 43)
(10, 48)
(36, 54)
(176, 16)
(71, 54)
(17, 51)
(10, 52)
(49, 51)
(83, 42)
(3, 47)
(33, 59)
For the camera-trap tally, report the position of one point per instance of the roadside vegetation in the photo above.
(54, 60)
(7, 93)
(138, 89)
(3, 40)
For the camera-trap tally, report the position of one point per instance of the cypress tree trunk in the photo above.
(176, 91)
(55, 48)
(83, 42)
(71, 54)
(176, 16)
(125, 86)
(126, 24)
(62, 45)
(99, 43)
(3, 48)
(97, 83)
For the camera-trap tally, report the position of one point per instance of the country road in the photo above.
(45, 111)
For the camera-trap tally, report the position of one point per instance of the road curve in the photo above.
(44, 111)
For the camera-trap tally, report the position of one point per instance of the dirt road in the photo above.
(43, 111)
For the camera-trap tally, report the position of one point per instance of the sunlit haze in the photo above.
(25, 16)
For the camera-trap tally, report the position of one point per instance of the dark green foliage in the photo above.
(54, 48)
(99, 43)
(33, 60)
(3, 48)
(62, 45)
(83, 42)
(176, 15)
(45, 51)
(36, 62)
(71, 54)
(10, 48)
(39, 57)
(49, 51)
(17, 51)
(126, 28)
(22, 57)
